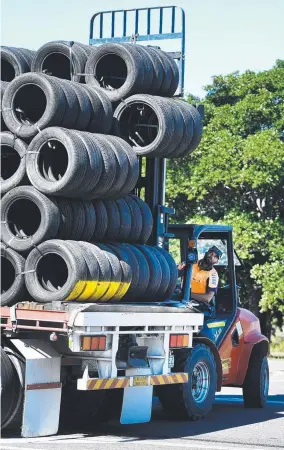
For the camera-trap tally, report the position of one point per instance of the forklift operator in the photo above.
(204, 280)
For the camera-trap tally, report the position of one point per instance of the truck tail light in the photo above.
(93, 343)
(179, 340)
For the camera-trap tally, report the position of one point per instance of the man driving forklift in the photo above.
(204, 278)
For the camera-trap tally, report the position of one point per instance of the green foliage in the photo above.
(236, 176)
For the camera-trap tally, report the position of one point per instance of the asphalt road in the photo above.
(228, 426)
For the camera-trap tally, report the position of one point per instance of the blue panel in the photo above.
(151, 37)
(161, 21)
(124, 22)
(136, 20)
(148, 21)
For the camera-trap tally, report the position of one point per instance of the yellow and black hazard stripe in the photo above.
(175, 378)
(146, 380)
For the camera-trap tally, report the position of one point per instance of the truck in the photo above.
(82, 362)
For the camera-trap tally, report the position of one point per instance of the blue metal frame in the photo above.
(148, 36)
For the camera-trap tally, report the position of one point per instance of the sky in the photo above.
(222, 36)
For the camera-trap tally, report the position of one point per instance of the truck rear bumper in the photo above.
(90, 384)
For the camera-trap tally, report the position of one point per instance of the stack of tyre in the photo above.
(71, 227)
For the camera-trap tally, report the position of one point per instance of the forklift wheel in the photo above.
(192, 400)
(256, 384)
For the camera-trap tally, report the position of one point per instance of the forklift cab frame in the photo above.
(226, 299)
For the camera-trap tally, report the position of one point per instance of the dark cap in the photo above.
(215, 250)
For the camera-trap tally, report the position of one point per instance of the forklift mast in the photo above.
(147, 25)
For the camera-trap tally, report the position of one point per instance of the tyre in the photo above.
(31, 103)
(13, 288)
(188, 129)
(125, 220)
(53, 58)
(116, 274)
(66, 218)
(72, 104)
(165, 281)
(147, 219)
(117, 69)
(101, 221)
(109, 167)
(256, 384)
(3, 85)
(14, 420)
(166, 70)
(136, 220)
(158, 71)
(105, 272)
(13, 63)
(57, 162)
(126, 272)
(155, 272)
(141, 273)
(194, 399)
(173, 272)
(122, 167)
(13, 164)
(132, 170)
(53, 263)
(197, 130)
(28, 218)
(101, 110)
(78, 219)
(8, 382)
(146, 123)
(113, 221)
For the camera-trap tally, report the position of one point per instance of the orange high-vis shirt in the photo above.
(203, 280)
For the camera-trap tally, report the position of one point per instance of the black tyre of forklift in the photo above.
(256, 384)
(194, 399)
(3, 86)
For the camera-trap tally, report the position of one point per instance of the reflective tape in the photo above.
(122, 382)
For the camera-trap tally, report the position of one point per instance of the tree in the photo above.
(236, 176)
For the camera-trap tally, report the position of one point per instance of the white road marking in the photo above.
(240, 400)
(156, 443)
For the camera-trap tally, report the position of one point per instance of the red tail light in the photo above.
(179, 340)
(91, 343)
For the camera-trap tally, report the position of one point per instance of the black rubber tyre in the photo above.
(126, 271)
(13, 63)
(128, 65)
(79, 219)
(54, 262)
(3, 86)
(165, 281)
(174, 75)
(133, 168)
(13, 288)
(13, 164)
(90, 221)
(188, 129)
(116, 273)
(158, 71)
(167, 72)
(113, 221)
(109, 167)
(158, 134)
(94, 165)
(31, 103)
(101, 110)
(185, 401)
(105, 272)
(14, 419)
(125, 220)
(72, 104)
(66, 218)
(53, 58)
(197, 130)
(173, 272)
(147, 219)
(57, 162)
(85, 107)
(8, 381)
(101, 221)
(256, 384)
(139, 284)
(136, 220)
(28, 218)
(122, 167)
(155, 272)
(82, 250)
